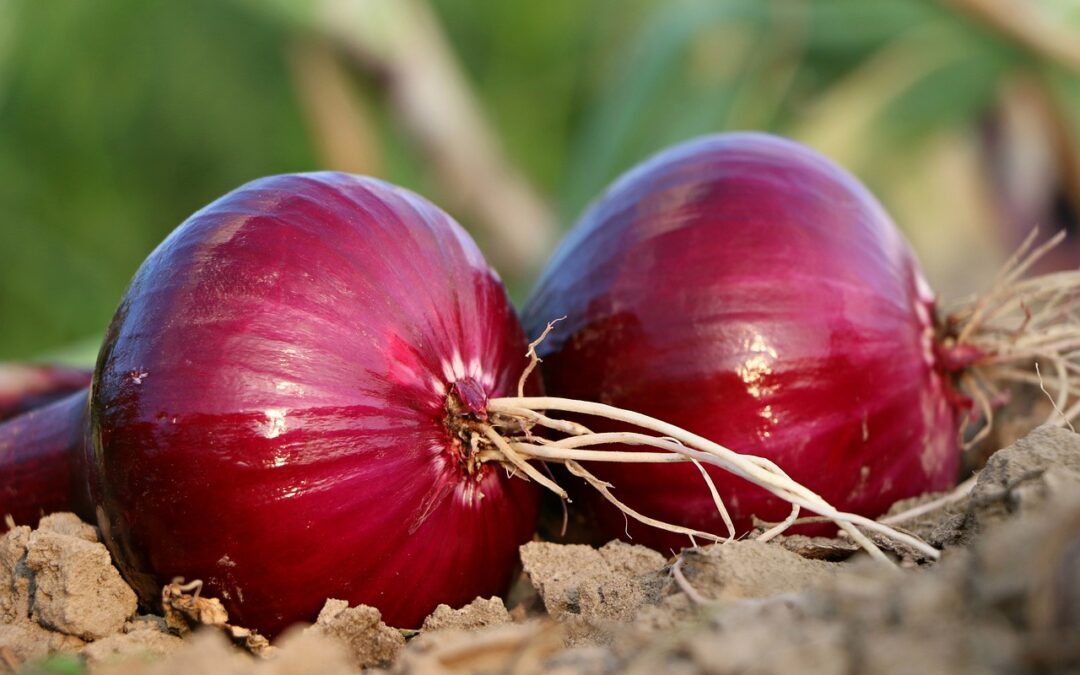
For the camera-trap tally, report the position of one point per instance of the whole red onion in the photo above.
(747, 289)
(277, 408)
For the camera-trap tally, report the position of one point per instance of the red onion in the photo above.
(747, 289)
(283, 407)
(25, 386)
(42, 460)
(42, 428)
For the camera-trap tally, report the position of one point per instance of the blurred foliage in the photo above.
(118, 118)
(58, 664)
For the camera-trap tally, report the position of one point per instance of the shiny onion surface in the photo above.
(745, 288)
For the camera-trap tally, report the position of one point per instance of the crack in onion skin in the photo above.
(268, 410)
(747, 289)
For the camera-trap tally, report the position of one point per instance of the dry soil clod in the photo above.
(369, 642)
(77, 590)
(479, 613)
(606, 584)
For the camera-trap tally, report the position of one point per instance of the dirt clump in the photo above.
(1018, 479)
(1009, 603)
(77, 590)
(479, 613)
(769, 638)
(1024, 476)
(1028, 571)
(368, 641)
(58, 589)
(15, 577)
(723, 574)
(606, 584)
(69, 524)
(595, 590)
(751, 569)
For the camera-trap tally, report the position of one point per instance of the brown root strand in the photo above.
(1027, 331)
(534, 358)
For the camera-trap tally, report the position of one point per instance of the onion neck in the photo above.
(953, 358)
(465, 418)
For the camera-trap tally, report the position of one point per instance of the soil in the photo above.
(368, 641)
(479, 613)
(1004, 597)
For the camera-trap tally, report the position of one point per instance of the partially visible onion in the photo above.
(25, 386)
(747, 289)
(42, 435)
(42, 459)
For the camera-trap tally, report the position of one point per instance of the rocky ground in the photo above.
(1005, 597)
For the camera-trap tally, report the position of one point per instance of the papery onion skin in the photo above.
(747, 289)
(268, 409)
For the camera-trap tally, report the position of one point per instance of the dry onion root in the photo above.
(995, 339)
(506, 437)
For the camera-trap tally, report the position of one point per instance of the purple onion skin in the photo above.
(25, 386)
(42, 461)
(268, 413)
(748, 289)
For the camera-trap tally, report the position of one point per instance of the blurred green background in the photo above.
(118, 118)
